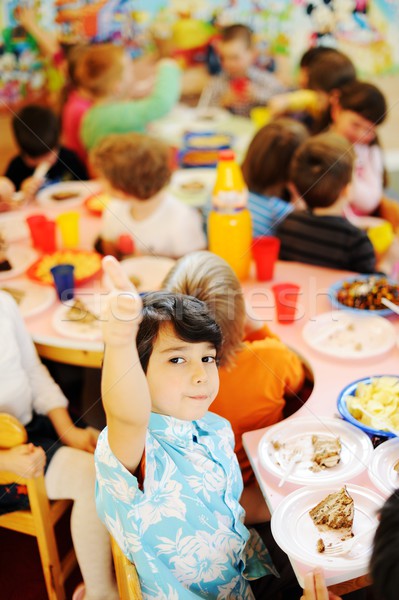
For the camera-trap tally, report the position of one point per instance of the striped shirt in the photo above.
(267, 212)
(326, 241)
(264, 85)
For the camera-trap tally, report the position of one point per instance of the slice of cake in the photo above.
(80, 313)
(326, 452)
(334, 513)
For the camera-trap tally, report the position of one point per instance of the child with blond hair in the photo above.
(135, 170)
(108, 75)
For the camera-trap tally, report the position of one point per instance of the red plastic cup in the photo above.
(265, 251)
(48, 241)
(285, 295)
(35, 224)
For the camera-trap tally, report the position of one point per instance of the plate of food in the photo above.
(79, 318)
(14, 260)
(96, 203)
(384, 466)
(330, 450)
(309, 520)
(13, 227)
(344, 334)
(145, 272)
(193, 186)
(87, 265)
(364, 293)
(66, 193)
(32, 299)
(372, 404)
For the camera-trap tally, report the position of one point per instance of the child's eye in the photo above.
(177, 361)
(209, 359)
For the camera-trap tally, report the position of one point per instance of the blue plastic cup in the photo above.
(64, 281)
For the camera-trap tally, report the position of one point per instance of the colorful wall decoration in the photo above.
(364, 29)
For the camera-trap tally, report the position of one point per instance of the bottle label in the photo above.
(229, 199)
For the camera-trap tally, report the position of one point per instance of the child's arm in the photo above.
(75, 437)
(125, 393)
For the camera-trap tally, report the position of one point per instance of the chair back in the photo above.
(126, 575)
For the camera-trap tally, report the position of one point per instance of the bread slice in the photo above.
(334, 513)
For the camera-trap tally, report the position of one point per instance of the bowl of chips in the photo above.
(372, 404)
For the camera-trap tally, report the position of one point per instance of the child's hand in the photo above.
(315, 587)
(26, 460)
(122, 316)
(30, 187)
(83, 439)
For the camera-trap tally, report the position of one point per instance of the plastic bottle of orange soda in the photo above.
(229, 222)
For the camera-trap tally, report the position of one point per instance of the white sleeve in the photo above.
(190, 234)
(46, 393)
(112, 225)
(367, 181)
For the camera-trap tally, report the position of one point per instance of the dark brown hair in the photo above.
(330, 70)
(133, 163)
(321, 168)
(237, 32)
(188, 316)
(269, 154)
(36, 130)
(365, 99)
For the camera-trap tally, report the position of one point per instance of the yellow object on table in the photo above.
(68, 224)
(260, 116)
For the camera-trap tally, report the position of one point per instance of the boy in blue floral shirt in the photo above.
(182, 525)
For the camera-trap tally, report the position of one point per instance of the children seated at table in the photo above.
(265, 170)
(135, 169)
(322, 71)
(250, 353)
(320, 173)
(37, 134)
(168, 481)
(356, 112)
(241, 85)
(109, 76)
(29, 393)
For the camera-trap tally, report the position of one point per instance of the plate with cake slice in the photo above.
(384, 466)
(80, 318)
(313, 518)
(32, 299)
(330, 450)
(66, 193)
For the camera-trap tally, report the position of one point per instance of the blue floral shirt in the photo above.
(184, 531)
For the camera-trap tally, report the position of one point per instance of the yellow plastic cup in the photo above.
(68, 224)
(260, 116)
(381, 236)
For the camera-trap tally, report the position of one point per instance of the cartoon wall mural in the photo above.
(364, 29)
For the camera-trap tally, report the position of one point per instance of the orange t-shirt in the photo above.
(251, 394)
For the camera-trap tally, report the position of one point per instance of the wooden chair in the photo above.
(126, 575)
(40, 520)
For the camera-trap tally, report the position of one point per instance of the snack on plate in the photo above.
(17, 294)
(366, 294)
(192, 186)
(58, 196)
(136, 281)
(335, 512)
(326, 452)
(86, 265)
(80, 313)
(376, 403)
(396, 466)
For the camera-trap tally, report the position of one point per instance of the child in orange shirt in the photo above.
(250, 354)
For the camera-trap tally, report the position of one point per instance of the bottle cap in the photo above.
(226, 155)
(125, 244)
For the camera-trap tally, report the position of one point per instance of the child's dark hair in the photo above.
(237, 32)
(365, 99)
(321, 168)
(269, 155)
(312, 54)
(384, 560)
(36, 130)
(330, 70)
(189, 317)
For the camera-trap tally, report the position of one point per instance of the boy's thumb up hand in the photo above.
(122, 315)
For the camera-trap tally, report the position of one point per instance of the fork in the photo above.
(295, 458)
(345, 547)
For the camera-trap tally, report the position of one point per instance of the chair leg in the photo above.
(46, 540)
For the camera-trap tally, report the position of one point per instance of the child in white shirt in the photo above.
(136, 170)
